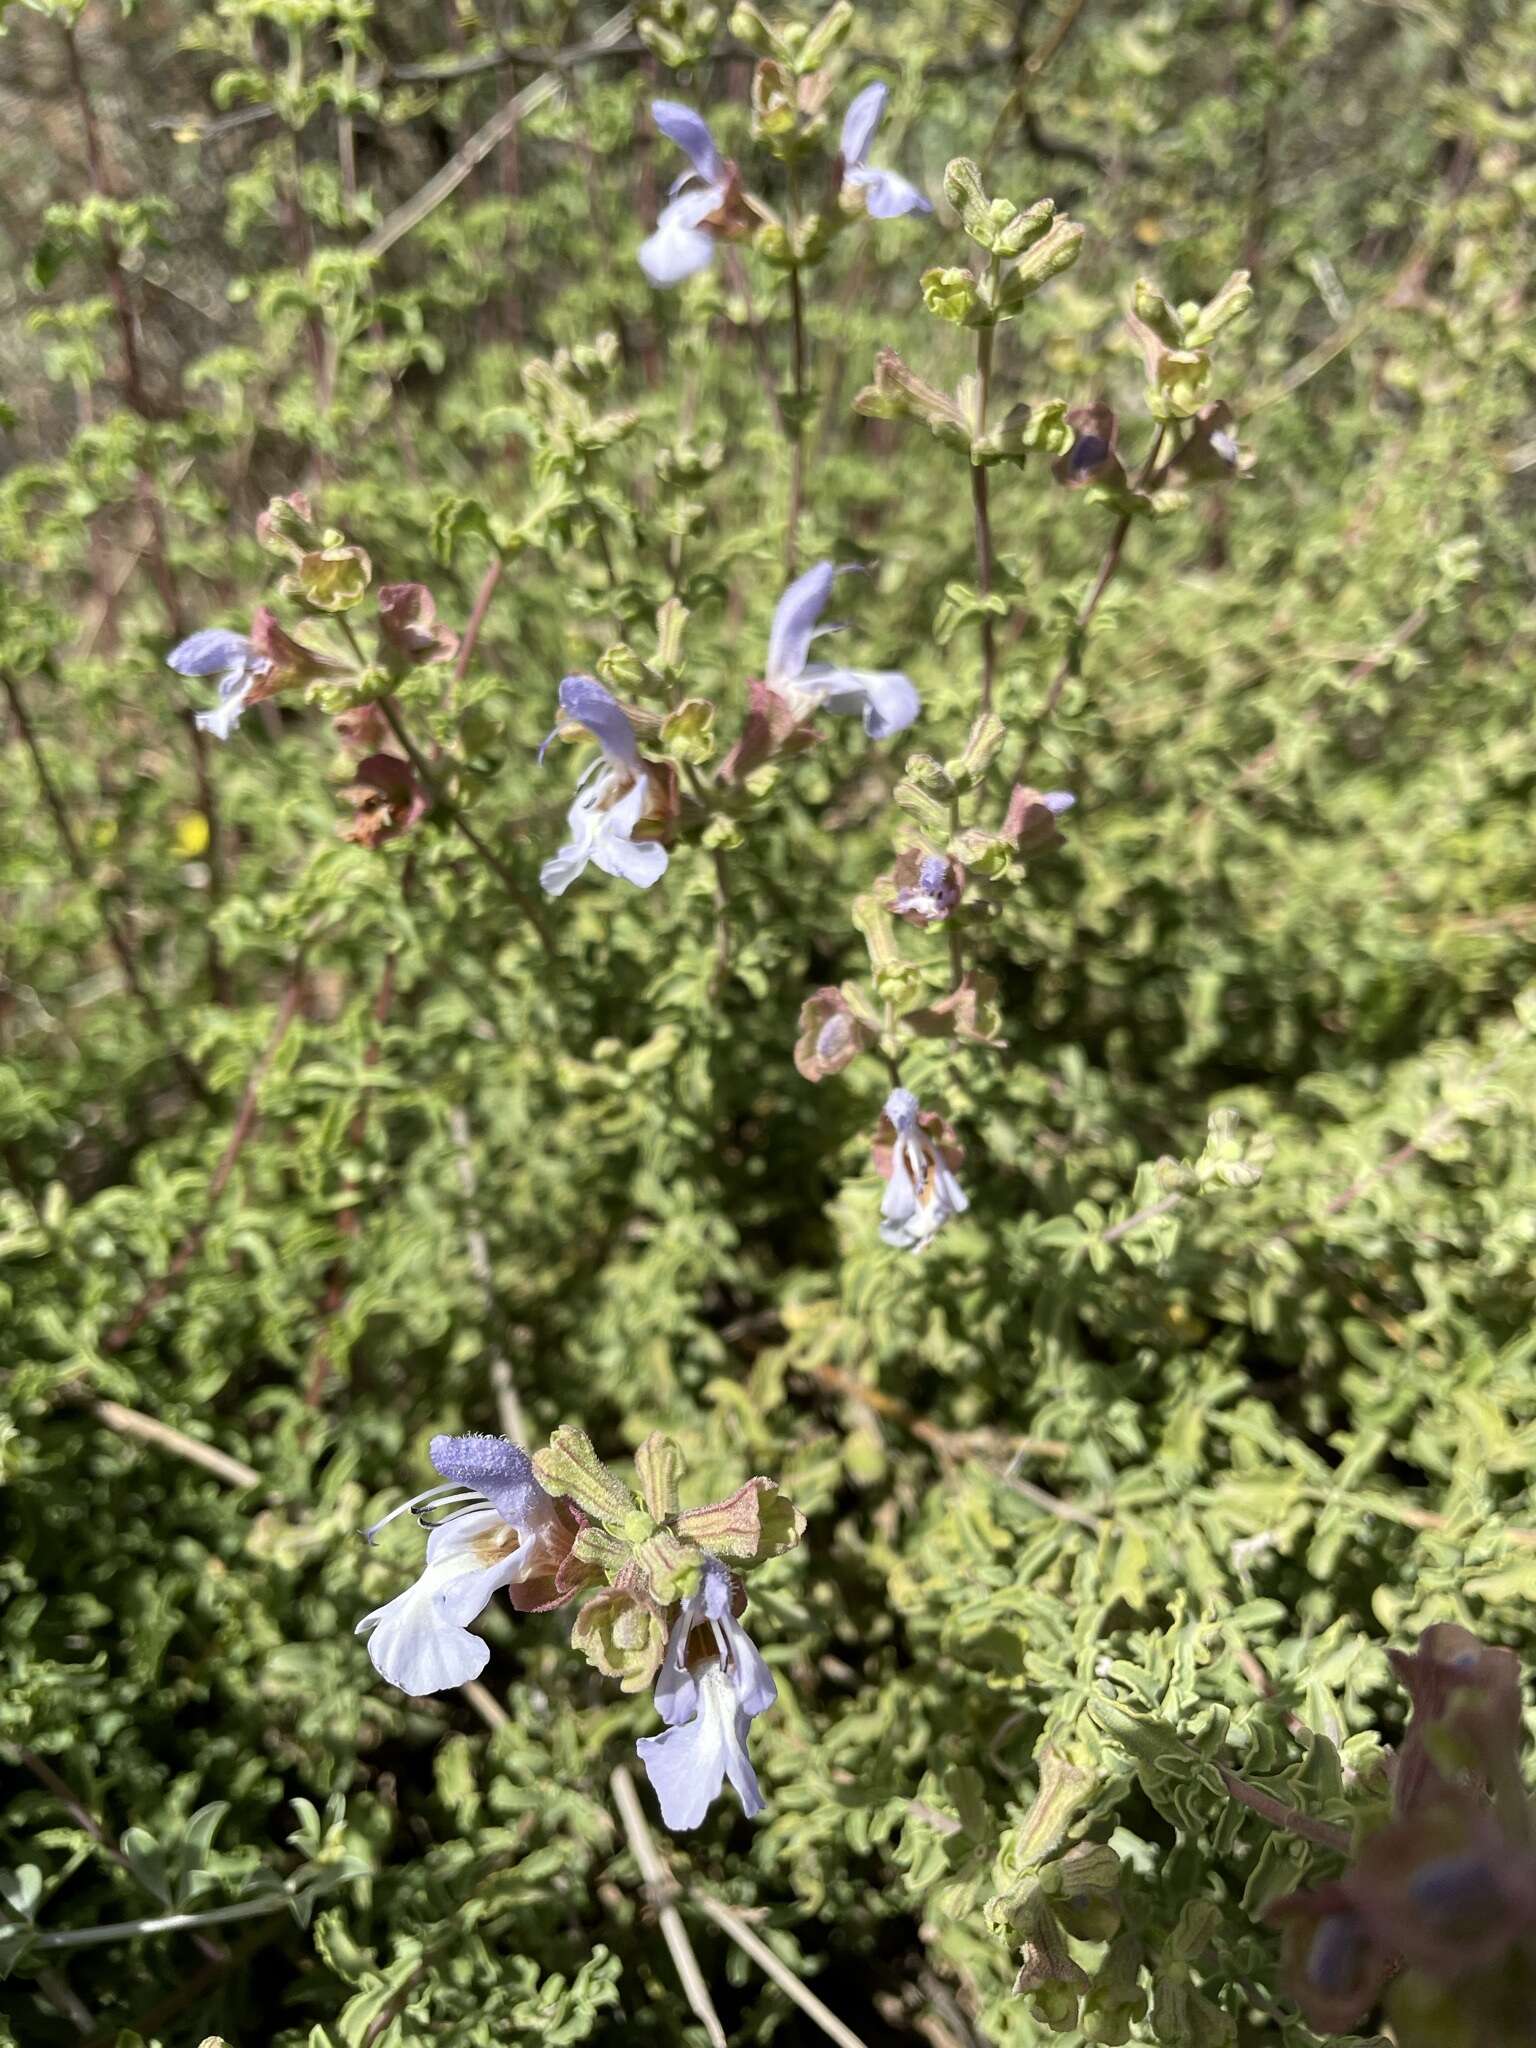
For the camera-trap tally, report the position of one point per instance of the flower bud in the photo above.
(1091, 459)
(982, 747)
(1177, 378)
(1154, 311)
(1229, 304)
(831, 1035)
(898, 393)
(688, 732)
(827, 35)
(623, 1634)
(1030, 824)
(1058, 251)
(1025, 228)
(409, 629)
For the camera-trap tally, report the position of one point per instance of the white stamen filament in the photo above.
(447, 1494)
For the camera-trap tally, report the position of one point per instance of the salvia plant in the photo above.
(766, 1189)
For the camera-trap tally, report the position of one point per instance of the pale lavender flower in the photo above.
(232, 658)
(491, 1525)
(604, 816)
(681, 245)
(886, 698)
(921, 1191)
(708, 1705)
(886, 194)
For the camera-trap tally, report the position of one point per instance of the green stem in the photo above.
(437, 789)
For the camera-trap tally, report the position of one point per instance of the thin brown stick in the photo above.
(732, 1924)
(80, 868)
(55, 1987)
(1439, 1126)
(720, 972)
(661, 1890)
(1130, 1224)
(981, 511)
(1101, 582)
(338, 1277)
(1030, 66)
(491, 136)
(1053, 1504)
(796, 432)
(486, 1704)
(735, 271)
(191, 1989)
(145, 1429)
(509, 1407)
(948, 1444)
(208, 804)
(245, 1123)
(476, 621)
(1313, 714)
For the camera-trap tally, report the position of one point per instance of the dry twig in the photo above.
(661, 1889)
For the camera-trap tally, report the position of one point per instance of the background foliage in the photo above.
(1093, 1510)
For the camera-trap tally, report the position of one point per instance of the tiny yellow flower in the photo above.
(192, 835)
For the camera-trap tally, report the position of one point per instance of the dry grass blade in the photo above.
(732, 1924)
(661, 1889)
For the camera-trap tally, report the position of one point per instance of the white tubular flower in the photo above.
(603, 819)
(709, 1700)
(491, 1526)
(239, 668)
(918, 1163)
(885, 697)
(682, 244)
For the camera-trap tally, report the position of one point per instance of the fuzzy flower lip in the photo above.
(690, 131)
(681, 245)
(584, 699)
(887, 195)
(232, 658)
(886, 698)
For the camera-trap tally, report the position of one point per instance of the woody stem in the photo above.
(982, 512)
(794, 428)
